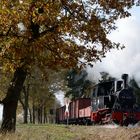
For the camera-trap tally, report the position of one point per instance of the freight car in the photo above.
(110, 101)
(76, 114)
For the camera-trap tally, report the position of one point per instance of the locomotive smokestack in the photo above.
(125, 79)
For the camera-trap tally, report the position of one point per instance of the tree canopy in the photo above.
(55, 33)
(105, 76)
(78, 84)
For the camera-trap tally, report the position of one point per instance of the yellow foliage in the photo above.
(52, 33)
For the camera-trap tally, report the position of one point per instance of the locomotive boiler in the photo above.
(111, 101)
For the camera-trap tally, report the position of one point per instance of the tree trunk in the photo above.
(41, 114)
(25, 115)
(38, 114)
(44, 120)
(30, 113)
(11, 100)
(33, 112)
(26, 104)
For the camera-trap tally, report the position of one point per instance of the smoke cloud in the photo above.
(127, 60)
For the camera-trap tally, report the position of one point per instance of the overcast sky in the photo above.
(128, 59)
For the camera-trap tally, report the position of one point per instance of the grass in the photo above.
(40, 132)
(72, 132)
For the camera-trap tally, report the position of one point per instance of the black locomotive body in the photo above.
(110, 101)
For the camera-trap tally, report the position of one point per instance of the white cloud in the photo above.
(118, 62)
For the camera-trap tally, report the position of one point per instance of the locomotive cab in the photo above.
(104, 94)
(102, 100)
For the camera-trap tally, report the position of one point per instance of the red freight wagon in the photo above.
(60, 114)
(82, 103)
(72, 110)
(85, 112)
(74, 107)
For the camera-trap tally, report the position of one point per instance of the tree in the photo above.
(46, 34)
(24, 99)
(37, 95)
(4, 83)
(77, 83)
(105, 76)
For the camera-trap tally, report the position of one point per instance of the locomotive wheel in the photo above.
(126, 122)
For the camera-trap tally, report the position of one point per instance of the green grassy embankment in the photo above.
(72, 132)
(40, 132)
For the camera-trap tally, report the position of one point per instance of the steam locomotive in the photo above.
(112, 101)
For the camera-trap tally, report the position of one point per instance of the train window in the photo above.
(119, 85)
(100, 102)
(94, 92)
(94, 104)
(101, 91)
